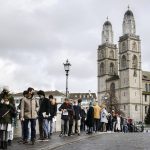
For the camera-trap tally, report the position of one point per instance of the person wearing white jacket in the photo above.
(104, 119)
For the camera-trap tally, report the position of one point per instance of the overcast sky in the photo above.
(37, 36)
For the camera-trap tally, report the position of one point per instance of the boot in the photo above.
(5, 145)
(9, 142)
(2, 145)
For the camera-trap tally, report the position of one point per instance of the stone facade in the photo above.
(119, 71)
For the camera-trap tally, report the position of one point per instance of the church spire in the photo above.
(107, 33)
(129, 23)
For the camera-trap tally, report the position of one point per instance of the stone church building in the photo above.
(120, 75)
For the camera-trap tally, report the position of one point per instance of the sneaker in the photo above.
(60, 135)
(78, 134)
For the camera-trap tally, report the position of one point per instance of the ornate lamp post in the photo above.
(67, 67)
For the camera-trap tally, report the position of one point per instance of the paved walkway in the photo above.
(113, 141)
(53, 143)
(102, 141)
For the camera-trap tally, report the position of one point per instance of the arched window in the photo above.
(102, 54)
(111, 54)
(134, 46)
(134, 61)
(112, 89)
(102, 68)
(123, 61)
(123, 46)
(111, 68)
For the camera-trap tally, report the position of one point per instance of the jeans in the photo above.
(33, 130)
(96, 124)
(64, 126)
(45, 127)
(76, 122)
(51, 126)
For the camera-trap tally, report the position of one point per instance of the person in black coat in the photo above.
(77, 117)
(90, 119)
(43, 114)
(7, 112)
(65, 108)
(53, 113)
(83, 116)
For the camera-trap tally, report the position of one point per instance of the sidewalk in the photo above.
(52, 143)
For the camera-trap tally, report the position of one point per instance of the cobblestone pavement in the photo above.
(112, 141)
(101, 141)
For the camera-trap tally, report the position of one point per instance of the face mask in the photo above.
(7, 102)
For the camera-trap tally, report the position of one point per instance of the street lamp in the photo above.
(67, 67)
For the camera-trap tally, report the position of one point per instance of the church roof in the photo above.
(107, 23)
(146, 75)
(128, 13)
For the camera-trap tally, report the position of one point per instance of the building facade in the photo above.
(120, 75)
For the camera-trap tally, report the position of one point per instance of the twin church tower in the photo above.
(119, 68)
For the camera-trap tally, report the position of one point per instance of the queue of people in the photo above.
(93, 119)
(31, 109)
(74, 118)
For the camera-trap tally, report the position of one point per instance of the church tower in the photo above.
(107, 59)
(130, 68)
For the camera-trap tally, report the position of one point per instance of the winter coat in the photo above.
(104, 115)
(29, 108)
(90, 117)
(83, 114)
(97, 111)
(7, 112)
(67, 107)
(44, 107)
(53, 110)
(77, 112)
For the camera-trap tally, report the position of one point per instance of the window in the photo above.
(123, 61)
(146, 109)
(111, 54)
(145, 98)
(123, 46)
(102, 54)
(112, 69)
(134, 62)
(146, 87)
(134, 46)
(124, 106)
(102, 68)
(136, 108)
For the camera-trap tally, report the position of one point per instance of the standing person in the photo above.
(22, 121)
(97, 111)
(114, 121)
(6, 93)
(104, 119)
(71, 117)
(7, 112)
(53, 113)
(83, 117)
(118, 124)
(65, 108)
(77, 117)
(90, 119)
(29, 109)
(43, 113)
